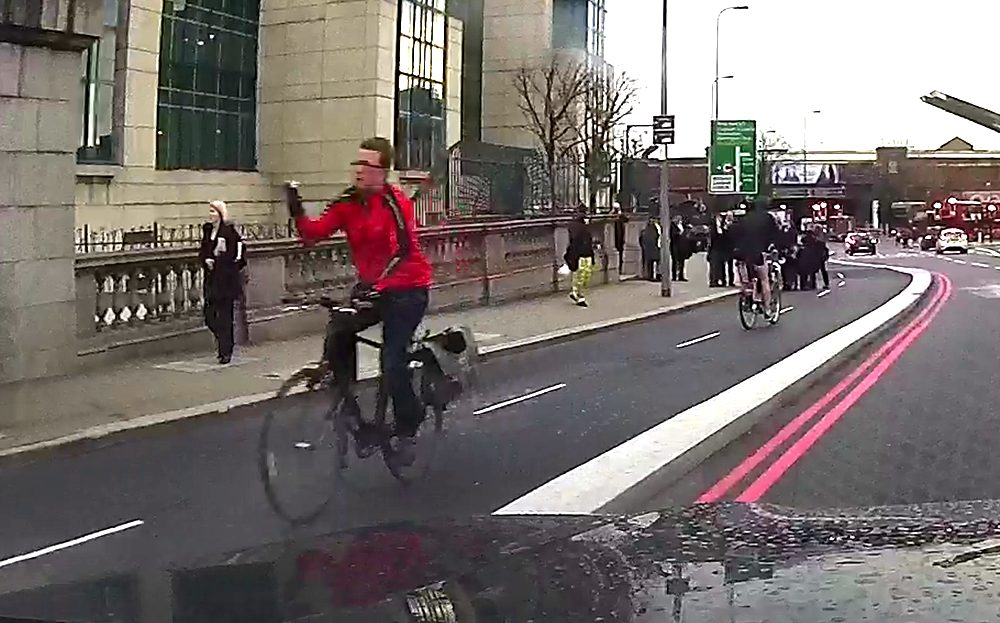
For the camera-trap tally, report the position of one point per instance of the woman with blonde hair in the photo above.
(222, 255)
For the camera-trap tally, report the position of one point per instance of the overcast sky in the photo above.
(862, 63)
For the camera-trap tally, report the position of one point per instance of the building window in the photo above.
(596, 14)
(207, 102)
(420, 83)
(98, 84)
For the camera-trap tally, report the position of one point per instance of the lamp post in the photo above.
(665, 267)
(715, 90)
(718, 22)
(805, 146)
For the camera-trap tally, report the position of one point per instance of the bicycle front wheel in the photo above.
(299, 451)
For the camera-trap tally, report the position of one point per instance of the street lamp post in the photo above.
(718, 22)
(665, 268)
(715, 90)
(805, 147)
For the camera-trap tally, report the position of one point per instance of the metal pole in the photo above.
(715, 109)
(664, 175)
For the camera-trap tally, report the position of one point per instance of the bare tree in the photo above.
(609, 100)
(549, 95)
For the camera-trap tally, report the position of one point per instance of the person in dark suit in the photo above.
(621, 222)
(222, 254)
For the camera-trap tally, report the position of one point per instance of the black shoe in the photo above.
(224, 359)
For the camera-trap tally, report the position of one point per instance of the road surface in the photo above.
(195, 488)
(919, 425)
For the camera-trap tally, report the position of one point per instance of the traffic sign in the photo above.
(663, 130)
(732, 158)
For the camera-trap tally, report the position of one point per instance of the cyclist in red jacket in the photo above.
(393, 274)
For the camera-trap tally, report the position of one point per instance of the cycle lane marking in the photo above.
(514, 401)
(691, 434)
(797, 450)
(699, 340)
(755, 459)
(80, 540)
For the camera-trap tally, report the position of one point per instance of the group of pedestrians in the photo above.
(682, 247)
(805, 256)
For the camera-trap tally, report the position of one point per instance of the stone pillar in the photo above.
(137, 73)
(327, 71)
(515, 33)
(41, 49)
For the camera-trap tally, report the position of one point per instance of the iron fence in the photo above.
(516, 186)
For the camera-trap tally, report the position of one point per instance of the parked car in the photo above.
(952, 239)
(860, 242)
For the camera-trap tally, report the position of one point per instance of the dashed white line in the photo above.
(958, 261)
(514, 401)
(822, 294)
(698, 339)
(979, 264)
(785, 310)
(38, 553)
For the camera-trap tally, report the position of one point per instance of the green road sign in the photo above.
(732, 158)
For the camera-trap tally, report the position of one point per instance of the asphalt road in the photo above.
(925, 430)
(196, 488)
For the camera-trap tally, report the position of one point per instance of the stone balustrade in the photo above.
(140, 298)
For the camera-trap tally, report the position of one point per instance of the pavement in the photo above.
(917, 425)
(152, 391)
(190, 487)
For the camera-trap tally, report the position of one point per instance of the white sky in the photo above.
(862, 63)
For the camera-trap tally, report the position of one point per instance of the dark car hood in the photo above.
(703, 563)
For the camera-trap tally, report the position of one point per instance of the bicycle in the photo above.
(441, 367)
(749, 301)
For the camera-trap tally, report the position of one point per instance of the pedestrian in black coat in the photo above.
(649, 242)
(222, 255)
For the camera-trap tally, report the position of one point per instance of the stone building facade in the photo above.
(226, 99)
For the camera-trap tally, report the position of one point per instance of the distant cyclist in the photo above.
(393, 274)
(753, 234)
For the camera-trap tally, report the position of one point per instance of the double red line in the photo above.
(882, 360)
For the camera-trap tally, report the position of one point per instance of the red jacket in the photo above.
(378, 235)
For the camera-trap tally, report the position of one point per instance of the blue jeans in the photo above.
(400, 312)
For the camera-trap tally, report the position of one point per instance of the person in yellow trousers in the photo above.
(579, 258)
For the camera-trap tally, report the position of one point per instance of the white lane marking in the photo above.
(979, 264)
(840, 275)
(699, 339)
(514, 401)
(786, 310)
(38, 553)
(822, 294)
(841, 284)
(958, 261)
(591, 486)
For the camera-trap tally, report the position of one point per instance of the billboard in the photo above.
(807, 174)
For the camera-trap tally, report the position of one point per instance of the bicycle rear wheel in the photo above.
(747, 311)
(299, 450)
(428, 435)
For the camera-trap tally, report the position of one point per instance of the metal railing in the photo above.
(157, 236)
(138, 294)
